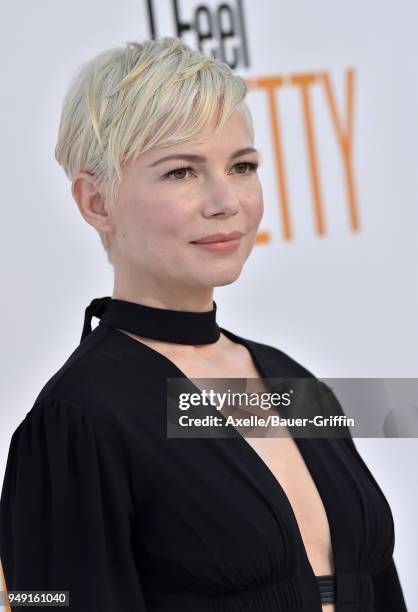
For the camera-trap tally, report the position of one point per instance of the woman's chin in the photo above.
(218, 279)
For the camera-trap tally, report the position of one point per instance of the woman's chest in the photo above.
(227, 515)
(218, 521)
(282, 457)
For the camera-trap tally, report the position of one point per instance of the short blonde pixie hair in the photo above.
(128, 99)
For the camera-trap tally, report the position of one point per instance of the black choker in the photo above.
(179, 326)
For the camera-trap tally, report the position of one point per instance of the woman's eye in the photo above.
(253, 167)
(250, 165)
(171, 173)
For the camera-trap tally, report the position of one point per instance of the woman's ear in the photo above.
(91, 203)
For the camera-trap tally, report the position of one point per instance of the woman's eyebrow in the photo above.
(200, 158)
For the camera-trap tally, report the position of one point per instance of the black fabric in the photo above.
(98, 501)
(182, 327)
(326, 585)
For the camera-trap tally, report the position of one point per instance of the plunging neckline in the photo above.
(259, 463)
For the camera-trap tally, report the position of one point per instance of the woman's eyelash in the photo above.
(253, 167)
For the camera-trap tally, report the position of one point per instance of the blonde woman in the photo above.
(158, 143)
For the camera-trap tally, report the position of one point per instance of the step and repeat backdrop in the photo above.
(333, 277)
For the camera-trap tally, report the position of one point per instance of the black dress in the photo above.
(98, 501)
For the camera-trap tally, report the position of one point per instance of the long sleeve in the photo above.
(65, 513)
(388, 595)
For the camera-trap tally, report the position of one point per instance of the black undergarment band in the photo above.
(326, 586)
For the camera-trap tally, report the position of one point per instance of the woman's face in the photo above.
(163, 206)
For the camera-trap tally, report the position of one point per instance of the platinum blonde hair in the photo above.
(128, 99)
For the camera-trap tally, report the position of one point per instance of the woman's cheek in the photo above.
(256, 211)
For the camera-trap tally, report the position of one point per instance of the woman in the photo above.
(97, 500)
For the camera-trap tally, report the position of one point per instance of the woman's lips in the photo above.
(225, 246)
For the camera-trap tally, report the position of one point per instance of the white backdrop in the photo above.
(343, 303)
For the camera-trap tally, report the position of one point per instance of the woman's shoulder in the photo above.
(87, 367)
(95, 379)
(90, 402)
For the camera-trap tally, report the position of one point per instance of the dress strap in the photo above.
(96, 308)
